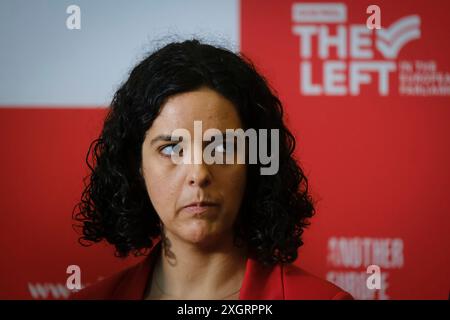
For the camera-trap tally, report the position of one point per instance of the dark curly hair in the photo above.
(115, 205)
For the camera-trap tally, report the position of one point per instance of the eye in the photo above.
(220, 148)
(224, 147)
(170, 149)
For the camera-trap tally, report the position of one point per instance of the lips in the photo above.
(200, 207)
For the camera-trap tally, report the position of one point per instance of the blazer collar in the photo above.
(260, 282)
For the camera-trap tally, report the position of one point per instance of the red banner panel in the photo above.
(370, 109)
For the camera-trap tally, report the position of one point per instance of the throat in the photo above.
(219, 278)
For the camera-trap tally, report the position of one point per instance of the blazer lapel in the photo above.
(134, 284)
(260, 282)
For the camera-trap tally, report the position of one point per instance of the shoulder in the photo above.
(299, 284)
(129, 283)
(126, 284)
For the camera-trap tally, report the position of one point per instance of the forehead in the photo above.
(206, 105)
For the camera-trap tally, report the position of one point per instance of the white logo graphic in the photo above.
(74, 280)
(73, 22)
(374, 280)
(374, 21)
(319, 12)
(337, 58)
(391, 40)
(223, 147)
(355, 264)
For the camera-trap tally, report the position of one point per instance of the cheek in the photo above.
(234, 182)
(162, 188)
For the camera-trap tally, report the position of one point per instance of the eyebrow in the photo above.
(168, 137)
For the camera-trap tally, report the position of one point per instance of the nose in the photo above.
(199, 175)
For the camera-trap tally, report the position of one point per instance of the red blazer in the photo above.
(280, 282)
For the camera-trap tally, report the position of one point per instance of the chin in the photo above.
(201, 235)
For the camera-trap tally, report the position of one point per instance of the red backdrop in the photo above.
(375, 149)
(377, 163)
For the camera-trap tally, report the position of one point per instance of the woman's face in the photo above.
(173, 186)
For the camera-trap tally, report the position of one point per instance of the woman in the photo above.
(210, 230)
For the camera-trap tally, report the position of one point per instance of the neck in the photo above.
(189, 271)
